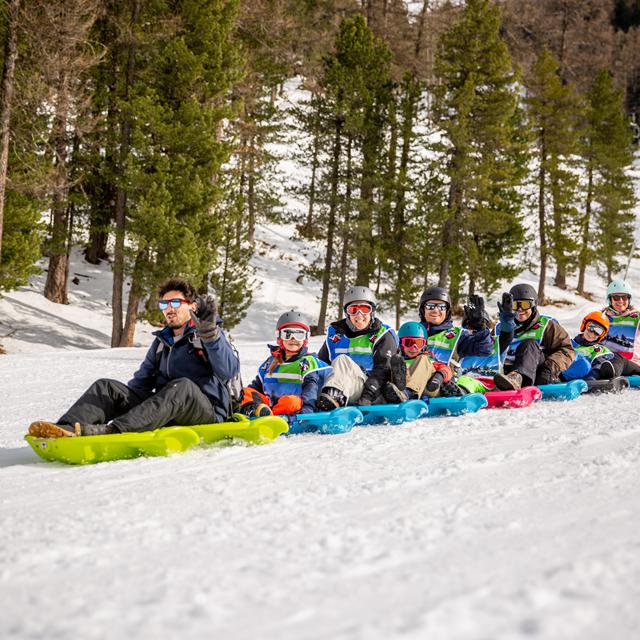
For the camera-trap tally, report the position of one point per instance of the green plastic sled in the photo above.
(258, 431)
(121, 446)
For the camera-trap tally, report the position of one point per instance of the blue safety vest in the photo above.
(359, 348)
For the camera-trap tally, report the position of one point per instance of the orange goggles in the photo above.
(362, 309)
(408, 342)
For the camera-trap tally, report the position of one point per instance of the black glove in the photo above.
(545, 376)
(435, 382)
(205, 318)
(506, 315)
(474, 316)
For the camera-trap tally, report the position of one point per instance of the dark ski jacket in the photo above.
(210, 368)
(311, 385)
(382, 351)
(596, 363)
(471, 343)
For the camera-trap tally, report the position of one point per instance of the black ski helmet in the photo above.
(358, 293)
(524, 292)
(434, 293)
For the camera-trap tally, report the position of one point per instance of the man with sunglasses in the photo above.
(624, 331)
(449, 344)
(540, 349)
(359, 348)
(182, 379)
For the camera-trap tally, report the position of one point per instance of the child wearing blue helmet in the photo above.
(624, 330)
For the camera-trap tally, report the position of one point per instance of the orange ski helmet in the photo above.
(599, 318)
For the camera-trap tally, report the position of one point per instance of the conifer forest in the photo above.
(441, 142)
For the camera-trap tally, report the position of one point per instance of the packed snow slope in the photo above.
(499, 525)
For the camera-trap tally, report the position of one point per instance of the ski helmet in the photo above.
(599, 318)
(435, 293)
(412, 330)
(358, 293)
(618, 286)
(524, 292)
(292, 318)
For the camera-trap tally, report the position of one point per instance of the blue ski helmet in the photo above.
(619, 286)
(412, 330)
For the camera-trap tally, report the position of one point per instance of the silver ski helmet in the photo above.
(434, 293)
(292, 319)
(359, 293)
(619, 286)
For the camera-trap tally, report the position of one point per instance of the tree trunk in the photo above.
(421, 23)
(344, 257)
(308, 225)
(449, 228)
(55, 288)
(584, 250)
(333, 205)
(126, 339)
(560, 279)
(121, 195)
(6, 99)
(366, 258)
(251, 193)
(542, 177)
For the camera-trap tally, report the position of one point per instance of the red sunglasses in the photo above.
(362, 309)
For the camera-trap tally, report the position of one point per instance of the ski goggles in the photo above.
(293, 333)
(619, 297)
(408, 342)
(174, 303)
(595, 328)
(362, 308)
(522, 305)
(440, 306)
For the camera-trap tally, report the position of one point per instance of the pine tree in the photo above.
(610, 198)
(477, 106)
(556, 114)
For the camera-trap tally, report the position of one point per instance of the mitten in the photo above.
(506, 315)
(287, 405)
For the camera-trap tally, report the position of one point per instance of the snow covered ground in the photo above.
(500, 525)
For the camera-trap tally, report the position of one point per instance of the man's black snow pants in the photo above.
(528, 359)
(181, 402)
(624, 367)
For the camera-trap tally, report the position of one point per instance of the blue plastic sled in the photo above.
(394, 413)
(634, 381)
(563, 390)
(457, 406)
(336, 421)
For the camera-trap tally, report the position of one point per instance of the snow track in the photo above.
(503, 524)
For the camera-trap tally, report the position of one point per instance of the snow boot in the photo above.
(607, 371)
(508, 381)
(43, 429)
(330, 399)
(451, 390)
(398, 372)
(393, 395)
(255, 410)
(370, 393)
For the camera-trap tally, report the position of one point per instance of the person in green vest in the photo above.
(623, 336)
(594, 360)
(417, 374)
(289, 380)
(359, 348)
(540, 349)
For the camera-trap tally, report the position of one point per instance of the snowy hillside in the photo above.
(502, 525)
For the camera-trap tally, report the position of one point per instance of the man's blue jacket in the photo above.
(209, 367)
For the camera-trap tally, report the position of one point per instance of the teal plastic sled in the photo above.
(634, 381)
(563, 390)
(337, 421)
(457, 406)
(394, 413)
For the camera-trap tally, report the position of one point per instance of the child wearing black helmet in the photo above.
(288, 381)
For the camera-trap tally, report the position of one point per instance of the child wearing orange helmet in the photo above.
(594, 361)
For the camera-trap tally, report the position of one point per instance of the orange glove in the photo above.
(444, 369)
(251, 395)
(287, 405)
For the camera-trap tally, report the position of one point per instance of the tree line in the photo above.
(451, 143)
